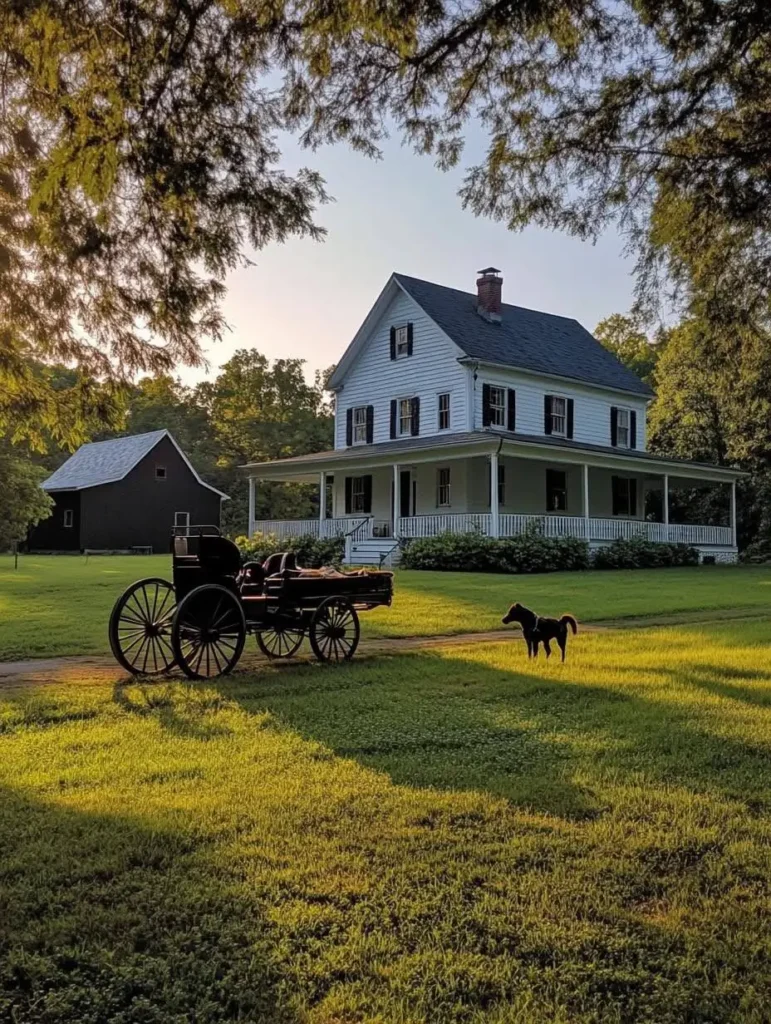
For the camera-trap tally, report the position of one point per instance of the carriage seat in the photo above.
(251, 580)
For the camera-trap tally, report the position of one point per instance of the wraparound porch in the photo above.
(500, 487)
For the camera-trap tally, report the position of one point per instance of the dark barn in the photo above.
(122, 494)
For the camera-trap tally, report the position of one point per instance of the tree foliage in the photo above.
(137, 156)
(22, 502)
(626, 339)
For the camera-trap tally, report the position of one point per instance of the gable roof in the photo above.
(525, 339)
(106, 462)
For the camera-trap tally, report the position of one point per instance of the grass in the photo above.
(61, 605)
(447, 836)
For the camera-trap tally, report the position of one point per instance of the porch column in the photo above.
(251, 505)
(494, 521)
(322, 502)
(665, 505)
(733, 513)
(395, 510)
(586, 501)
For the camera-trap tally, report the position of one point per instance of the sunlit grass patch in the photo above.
(446, 836)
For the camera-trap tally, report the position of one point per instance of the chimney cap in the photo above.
(488, 271)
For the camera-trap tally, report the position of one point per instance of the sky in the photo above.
(307, 299)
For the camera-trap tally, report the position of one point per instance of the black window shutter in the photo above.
(415, 417)
(393, 418)
(571, 408)
(370, 423)
(349, 428)
(547, 414)
(367, 494)
(613, 426)
(409, 339)
(632, 429)
(485, 405)
(348, 494)
(512, 418)
(393, 343)
(632, 497)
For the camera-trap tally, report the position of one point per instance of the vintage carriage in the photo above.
(200, 621)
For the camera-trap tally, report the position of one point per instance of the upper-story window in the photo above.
(401, 341)
(444, 412)
(558, 415)
(497, 407)
(623, 427)
(404, 423)
(360, 425)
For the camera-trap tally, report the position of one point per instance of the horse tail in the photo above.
(568, 620)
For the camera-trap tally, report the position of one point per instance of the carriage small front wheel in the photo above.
(208, 632)
(140, 627)
(334, 630)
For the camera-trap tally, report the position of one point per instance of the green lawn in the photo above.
(61, 605)
(447, 836)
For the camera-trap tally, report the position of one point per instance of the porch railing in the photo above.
(429, 526)
(362, 525)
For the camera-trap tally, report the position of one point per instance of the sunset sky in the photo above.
(307, 299)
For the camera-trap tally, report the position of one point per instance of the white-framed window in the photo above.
(402, 341)
(69, 518)
(623, 428)
(444, 411)
(404, 416)
(443, 486)
(181, 523)
(160, 472)
(358, 494)
(497, 407)
(559, 416)
(360, 424)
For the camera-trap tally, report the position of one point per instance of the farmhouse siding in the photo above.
(591, 424)
(432, 369)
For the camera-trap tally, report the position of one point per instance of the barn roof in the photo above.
(106, 462)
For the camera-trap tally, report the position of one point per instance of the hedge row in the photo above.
(311, 552)
(532, 552)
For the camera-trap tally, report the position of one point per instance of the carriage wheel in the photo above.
(208, 632)
(334, 632)
(140, 627)
(280, 641)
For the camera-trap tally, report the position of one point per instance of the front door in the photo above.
(405, 493)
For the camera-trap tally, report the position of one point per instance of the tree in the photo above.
(137, 156)
(258, 413)
(22, 501)
(625, 338)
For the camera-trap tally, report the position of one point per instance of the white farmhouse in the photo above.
(456, 411)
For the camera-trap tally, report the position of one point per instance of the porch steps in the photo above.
(371, 550)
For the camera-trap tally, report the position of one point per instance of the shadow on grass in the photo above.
(105, 918)
(540, 741)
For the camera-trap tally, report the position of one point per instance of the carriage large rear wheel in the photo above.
(140, 627)
(208, 632)
(334, 630)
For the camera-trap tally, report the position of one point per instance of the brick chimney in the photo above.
(489, 285)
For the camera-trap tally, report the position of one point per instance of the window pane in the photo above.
(498, 407)
(360, 424)
(405, 415)
(444, 411)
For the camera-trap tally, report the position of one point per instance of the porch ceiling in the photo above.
(440, 448)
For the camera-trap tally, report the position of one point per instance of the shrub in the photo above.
(476, 552)
(639, 553)
(312, 552)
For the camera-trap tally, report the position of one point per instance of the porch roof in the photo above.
(462, 444)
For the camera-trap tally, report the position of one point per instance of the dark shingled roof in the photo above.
(524, 339)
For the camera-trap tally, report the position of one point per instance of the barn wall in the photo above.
(139, 510)
(51, 534)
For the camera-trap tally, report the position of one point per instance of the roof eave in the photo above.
(647, 393)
